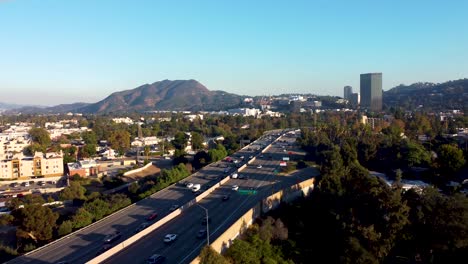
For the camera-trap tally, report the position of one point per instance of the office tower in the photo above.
(371, 91)
(348, 90)
(354, 99)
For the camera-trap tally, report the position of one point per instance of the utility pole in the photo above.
(207, 224)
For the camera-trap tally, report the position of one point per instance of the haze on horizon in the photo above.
(55, 52)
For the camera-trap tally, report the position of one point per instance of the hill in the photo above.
(429, 96)
(165, 95)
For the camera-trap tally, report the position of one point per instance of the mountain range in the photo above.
(190, 95)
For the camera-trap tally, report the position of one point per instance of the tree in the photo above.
(209, 256)
(74, 191)
(415, 154)
(89, 137)
(88, 150)
(200, 159)
(98, 208)
(36, 222)
(180, 141)
(40, 136)
(120, 141)
(65, 228)
(197, 141)
(450, 158)
(81, 218)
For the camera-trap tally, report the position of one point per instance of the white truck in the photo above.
(196, 187)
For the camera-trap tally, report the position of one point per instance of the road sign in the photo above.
(247, 192)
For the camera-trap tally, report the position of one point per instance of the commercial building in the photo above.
(371, 91)
(347, 91)
(19, 166)
(354, 99)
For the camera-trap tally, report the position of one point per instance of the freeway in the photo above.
(85, 244)
(222, 213)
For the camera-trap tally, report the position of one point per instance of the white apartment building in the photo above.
(13, 144)
(18, 166)
(57, 133)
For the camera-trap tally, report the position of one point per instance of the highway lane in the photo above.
(222, 215)
(83, 245)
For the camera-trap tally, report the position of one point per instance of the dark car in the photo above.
(243, 177)
(155, 259)
(112, 237)
(201, 233)
(226, 197)
(152, 216)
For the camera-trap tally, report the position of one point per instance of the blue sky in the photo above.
(64, 51)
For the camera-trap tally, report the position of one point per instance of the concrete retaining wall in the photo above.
(265, 205)
(138, 170)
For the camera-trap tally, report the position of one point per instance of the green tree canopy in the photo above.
(36, 222)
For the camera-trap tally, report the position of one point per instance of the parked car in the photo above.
(155, 259)
(259, 166)
(189, 185)
(235, 187)
(170, 238)
(234, 175)
(112, 237)
(174, 207)
(152, 216)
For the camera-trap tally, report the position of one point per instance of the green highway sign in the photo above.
(247, 192)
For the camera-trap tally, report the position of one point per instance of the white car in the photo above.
(235, 187)
(170, 238)
(259, 166)
(189, 185)
(234, 175)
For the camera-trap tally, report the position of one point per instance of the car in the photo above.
(226, 197)
(234, 175)
(250, 157)
(112, 237)
(259, 166)
(26, 184)
(189, 185)
(141, 227)
(152, 216)
(201, 233)
(15, 185)
(235, 187)
(226, 170)
(170, 238)
(243, 177)
(174, 207)
(156, 259)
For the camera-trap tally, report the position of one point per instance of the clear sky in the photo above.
(64, 51)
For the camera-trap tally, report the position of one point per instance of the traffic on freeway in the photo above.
(85, 244)
(225, 205)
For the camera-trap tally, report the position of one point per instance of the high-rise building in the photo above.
(371, 91)
(354, 99)
(348, 90)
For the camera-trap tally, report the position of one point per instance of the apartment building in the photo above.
(19, 166)
(13, 144)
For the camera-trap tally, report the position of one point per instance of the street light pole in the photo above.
(207, 225)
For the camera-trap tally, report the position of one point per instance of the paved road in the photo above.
(85, 244)
(222, 213)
